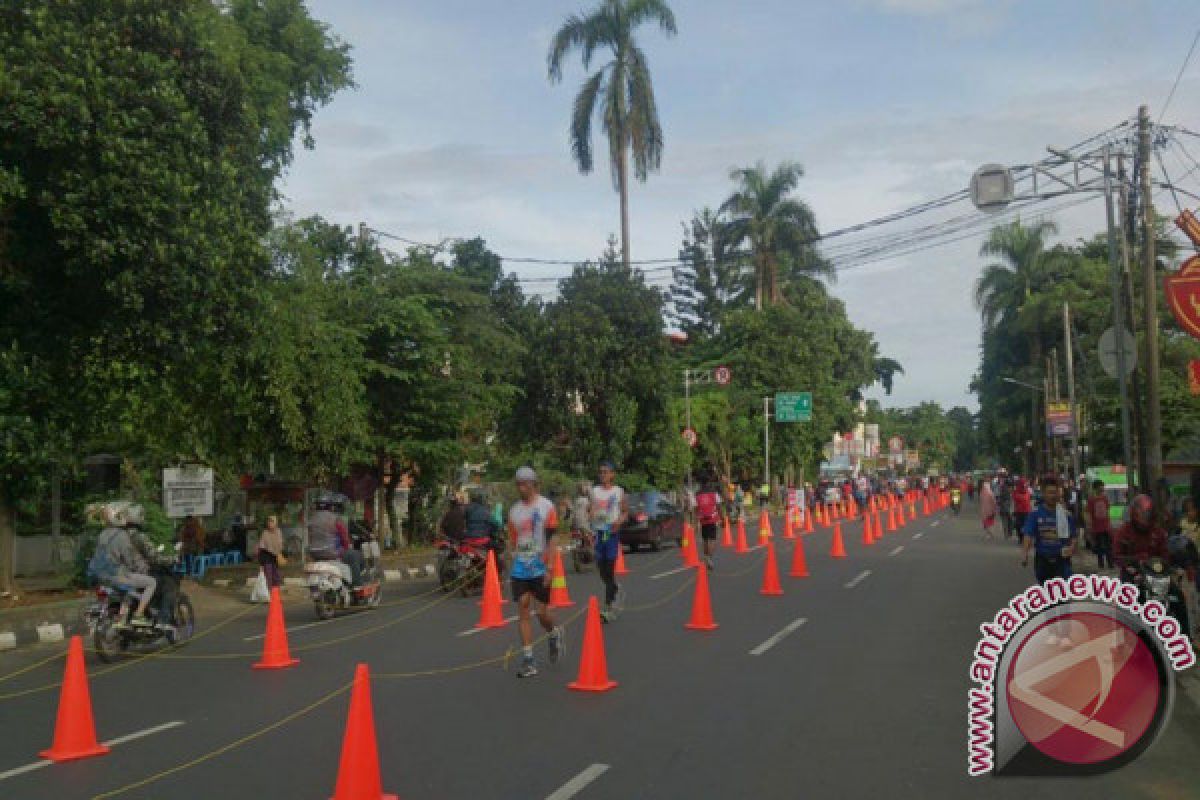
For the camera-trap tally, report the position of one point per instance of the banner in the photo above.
(1058, 419)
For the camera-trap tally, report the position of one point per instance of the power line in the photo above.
(1182, 68)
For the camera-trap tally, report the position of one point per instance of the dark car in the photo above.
(652, 520)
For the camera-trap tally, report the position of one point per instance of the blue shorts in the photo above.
(606, 550)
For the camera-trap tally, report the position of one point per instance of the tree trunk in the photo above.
(623, 188)
(8, 549)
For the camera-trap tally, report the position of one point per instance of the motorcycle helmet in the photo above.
(328, 501)
(1141, 512)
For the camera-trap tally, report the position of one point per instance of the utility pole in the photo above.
(1071, 391)
(1153, 412)
(1126, 304)
(766, 441)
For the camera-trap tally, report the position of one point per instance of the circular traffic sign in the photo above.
(1107, 347)
(722, 375)
(689, 436)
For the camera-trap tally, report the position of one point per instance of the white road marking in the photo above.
(474, 631)
(777, 638)
(293, 629)
(669, 572)
(166, 726)
(918, 535)
(578, 783)
(897, 551)
(935, 523)
(862, 576)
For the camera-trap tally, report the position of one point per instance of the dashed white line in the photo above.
(935, 523)
(897, 551)
(578, 783)
(669, 572)
(862, 576)
(474, 631)
(918, 535)
(129, 737)
(777, 638)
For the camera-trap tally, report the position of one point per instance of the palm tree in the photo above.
(629, 113)
(780, 230)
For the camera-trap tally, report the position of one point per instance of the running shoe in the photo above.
(528, 668)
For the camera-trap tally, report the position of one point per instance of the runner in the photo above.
(608, 512)
(1052, 531)
(532, 523)
(709, 515)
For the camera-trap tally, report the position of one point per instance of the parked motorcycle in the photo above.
(174, 620)
(330, 580)
(461, 564)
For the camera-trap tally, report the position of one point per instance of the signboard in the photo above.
(722, 376)
(1059, 421)
(895, 445)
(1107, 349)
(689, 436)
(793, 407)
(1183, 287)
(188, 491)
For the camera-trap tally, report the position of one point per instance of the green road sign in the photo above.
(793, 407)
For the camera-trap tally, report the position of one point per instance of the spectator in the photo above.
(1099, 526)
(270, 552)
(987, 508)
(1022, 499)
(192, 535)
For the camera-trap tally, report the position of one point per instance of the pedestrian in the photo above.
(1099, 526)
(987, 509)
(191, 536)
(708, 514)
(270, 552)
(1004, 502)
(1022, 500)
(1051, 532)
(532, 524)
(607, 511)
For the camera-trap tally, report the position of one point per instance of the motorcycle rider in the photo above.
(127, 555)
(329, 539)
(1140, 538)
(480, 524)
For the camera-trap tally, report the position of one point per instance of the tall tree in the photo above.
(779, 230)
(705, 284)
(629, 112)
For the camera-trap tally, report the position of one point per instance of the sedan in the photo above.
(652, 520)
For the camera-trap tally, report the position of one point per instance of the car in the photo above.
(652, 520)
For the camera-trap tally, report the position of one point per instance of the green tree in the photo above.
(780, 231)
(628, 111)
(706, 283)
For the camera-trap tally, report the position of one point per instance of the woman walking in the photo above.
(987, 508)
(270, 552)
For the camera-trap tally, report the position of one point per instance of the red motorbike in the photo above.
(461, 564)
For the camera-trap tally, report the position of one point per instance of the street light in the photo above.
(1041, 389)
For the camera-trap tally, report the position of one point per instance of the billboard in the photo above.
(1059, 421)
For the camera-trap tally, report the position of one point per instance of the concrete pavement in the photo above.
(852, 684)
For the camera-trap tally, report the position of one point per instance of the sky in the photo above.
(455, 131)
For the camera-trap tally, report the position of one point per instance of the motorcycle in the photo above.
(173, 619)
(1152, 579)
(330, 580)
(461, 564)
(583, 552)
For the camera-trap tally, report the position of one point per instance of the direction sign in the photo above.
(722, 375)
(793, 407)
(1108, 351)
(689, 436)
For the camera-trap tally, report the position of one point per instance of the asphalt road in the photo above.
(864, 698)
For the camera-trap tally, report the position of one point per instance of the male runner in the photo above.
(532, 523)
(608, 511)
(708, 514)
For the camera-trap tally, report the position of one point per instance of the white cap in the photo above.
(525, 474)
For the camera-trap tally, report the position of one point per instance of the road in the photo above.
(852, 684)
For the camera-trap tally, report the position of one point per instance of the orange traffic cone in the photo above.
(839, 547)
(727, 536)
(491, 613)
(878, 527)
(891, 523)
(684, 543)
(741, 537)
(593, 666)
(867, 538)
(770, 583)
(275, 654)
(702, 617)
(808, 522)
(691, 555)
(620, 568)
(788, 531)
(764, 527)
(559, 597)
(799, 562)
(74, 728)
(358, 771)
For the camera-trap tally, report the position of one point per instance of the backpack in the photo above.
(706, 508)
(102, 567)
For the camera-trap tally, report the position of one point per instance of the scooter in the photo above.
(461, 564)
(330, 581)
(113, 631)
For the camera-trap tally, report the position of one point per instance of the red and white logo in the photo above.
(1083, 688)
